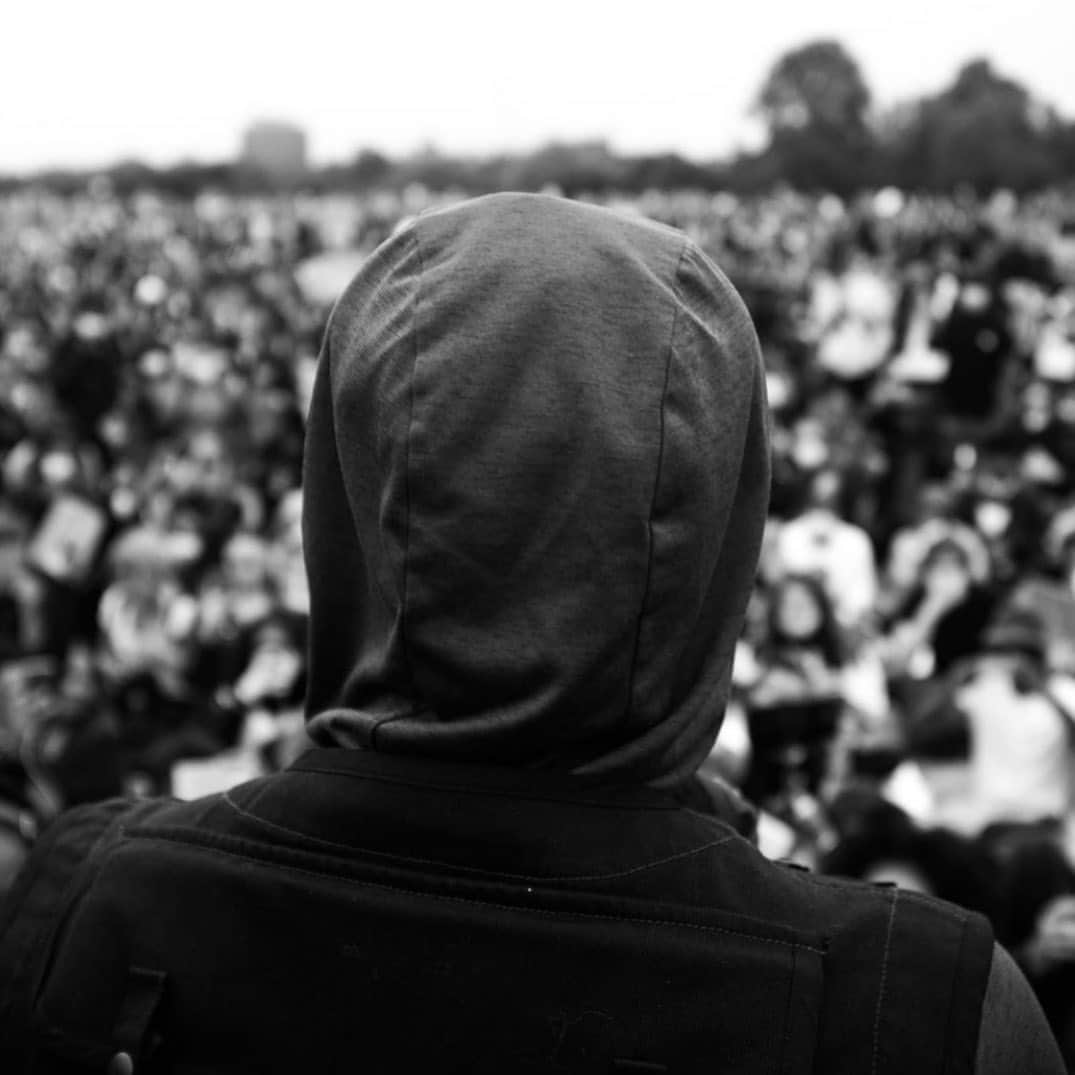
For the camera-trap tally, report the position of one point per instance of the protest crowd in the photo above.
(904, 690)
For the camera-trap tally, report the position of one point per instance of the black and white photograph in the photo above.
(537, 539)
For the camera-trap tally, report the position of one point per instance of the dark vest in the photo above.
(373, 914)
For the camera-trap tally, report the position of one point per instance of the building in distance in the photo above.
(274, 150)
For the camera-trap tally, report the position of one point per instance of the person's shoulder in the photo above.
(913, 925)
(60, 850)
(941, 959)
(67, 845)
(30, 910)
(908, 970)
(932, 940)
(1014, 1037)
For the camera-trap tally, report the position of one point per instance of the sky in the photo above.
(84, 84)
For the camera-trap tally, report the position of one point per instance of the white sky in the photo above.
(85, 82)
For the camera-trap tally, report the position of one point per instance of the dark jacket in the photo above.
(432, 916)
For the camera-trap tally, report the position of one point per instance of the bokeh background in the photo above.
(183, 195)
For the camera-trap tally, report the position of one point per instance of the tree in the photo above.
(815, 104)
(668, 171)
(984, 130)
(574, 167)
(370, 168)
(815, 85)
(1064, 151)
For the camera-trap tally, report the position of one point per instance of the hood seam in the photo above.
(403, 609)
(677, 307)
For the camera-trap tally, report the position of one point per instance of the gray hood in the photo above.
(537, 472)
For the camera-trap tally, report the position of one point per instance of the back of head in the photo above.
(537, 473)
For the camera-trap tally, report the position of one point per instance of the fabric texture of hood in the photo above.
(536, 474)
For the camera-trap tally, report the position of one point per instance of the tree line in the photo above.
(984, 131)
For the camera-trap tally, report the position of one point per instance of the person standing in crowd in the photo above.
(1020, 735)
(798, 694)
(940, 620)
(536, 480)
(819, 541)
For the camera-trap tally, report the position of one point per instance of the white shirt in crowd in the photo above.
(820, 543)
(1020, 764)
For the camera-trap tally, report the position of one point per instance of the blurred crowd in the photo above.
(904, 698)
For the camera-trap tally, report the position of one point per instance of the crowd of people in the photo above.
(904, 690)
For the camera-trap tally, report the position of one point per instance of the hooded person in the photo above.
(536, 479)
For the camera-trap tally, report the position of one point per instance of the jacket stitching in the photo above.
(407, 496)
(518, 909)
(497, 792)
(476, 869)
(715, 823)
(884, 976)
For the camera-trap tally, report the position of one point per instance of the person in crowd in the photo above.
(797, 694)
(977, 340)
(1020, 734)
(1000, 708)
(942, 618)
(935, 520)
(819, 541)
(803, 653)
(536, 480)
